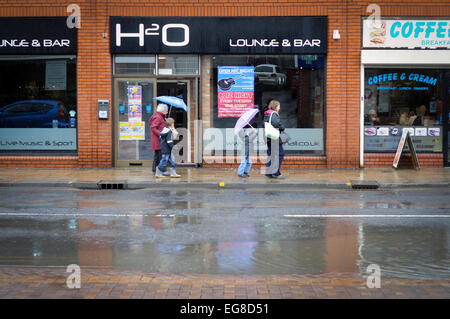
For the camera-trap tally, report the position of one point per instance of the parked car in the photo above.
(34, 114)
(270, 74)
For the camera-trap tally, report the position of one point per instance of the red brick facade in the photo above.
(94, 74)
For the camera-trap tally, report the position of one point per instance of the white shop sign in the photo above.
(224, 139)
(410, 34)
(55, 139)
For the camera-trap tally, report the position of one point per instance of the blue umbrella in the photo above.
(172, 101)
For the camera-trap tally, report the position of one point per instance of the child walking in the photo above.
(167, 135)
(247, 136)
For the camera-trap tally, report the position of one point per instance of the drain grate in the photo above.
(364, 185)
(111, 185)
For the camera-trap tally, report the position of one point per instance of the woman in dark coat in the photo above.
(275, 153)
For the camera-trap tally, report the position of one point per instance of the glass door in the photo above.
(133, 107)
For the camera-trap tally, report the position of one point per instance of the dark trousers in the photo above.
(156, 160)
(275, 157)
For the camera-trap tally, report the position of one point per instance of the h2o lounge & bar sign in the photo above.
(407, 33)
(250, 35)
(37, 35)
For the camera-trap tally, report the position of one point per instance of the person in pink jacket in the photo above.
(157, 123)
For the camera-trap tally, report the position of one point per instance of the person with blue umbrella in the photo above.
(157, 123)
(172, 101)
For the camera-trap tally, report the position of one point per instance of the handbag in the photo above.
(284, 137)
(270, 131)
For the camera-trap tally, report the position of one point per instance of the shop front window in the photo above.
(134, 65)
(38, 109)
(296, 81)
(178, 65)
(396, 100)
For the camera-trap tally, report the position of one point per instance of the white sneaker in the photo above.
(159, 174)
(173, 173)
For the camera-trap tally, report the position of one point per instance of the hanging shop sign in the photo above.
(27, 35)
(235, 90)
(249, 35)
(406, 34)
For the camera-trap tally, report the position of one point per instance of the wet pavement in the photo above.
(204, 177)
(225, 243)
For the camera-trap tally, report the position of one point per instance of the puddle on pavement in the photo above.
(153, 242)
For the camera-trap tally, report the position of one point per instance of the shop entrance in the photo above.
(133, 106)
(180, 89)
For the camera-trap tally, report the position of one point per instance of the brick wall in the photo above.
(386, 160)
(95, 139)
(94, 82)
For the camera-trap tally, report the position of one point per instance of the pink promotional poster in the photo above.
(235, 90)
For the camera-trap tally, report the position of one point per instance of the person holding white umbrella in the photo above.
(241, 129)
(248, 137)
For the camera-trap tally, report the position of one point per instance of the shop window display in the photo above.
(403, 99)
(297, 81)
(38, 104)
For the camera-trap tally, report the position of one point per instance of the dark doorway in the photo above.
(177, 89)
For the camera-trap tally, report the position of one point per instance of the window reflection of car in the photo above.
(270, 74)
(34, 114)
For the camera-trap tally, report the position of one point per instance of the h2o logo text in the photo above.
(154, 30)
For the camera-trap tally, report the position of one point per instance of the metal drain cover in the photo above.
(365, 184)
(112, 185)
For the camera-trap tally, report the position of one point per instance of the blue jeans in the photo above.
(276, 158)
(246, 165)
(166, 159)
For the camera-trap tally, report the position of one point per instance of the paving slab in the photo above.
(20, 283)
(137, 178)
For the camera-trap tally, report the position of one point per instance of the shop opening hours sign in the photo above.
(235, 90)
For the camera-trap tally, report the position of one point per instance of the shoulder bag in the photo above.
(270, 131)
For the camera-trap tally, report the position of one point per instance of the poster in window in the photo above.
(235, 90)
(383, 131)
(137, 130)
(124, 131)
(55, 75)
(134, 102)
(434, 131)
(410, 130)
(420, 131)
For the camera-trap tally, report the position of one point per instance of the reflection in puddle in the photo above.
(205, 244)
(404, 251)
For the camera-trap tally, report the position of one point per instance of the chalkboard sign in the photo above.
(406, 138)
